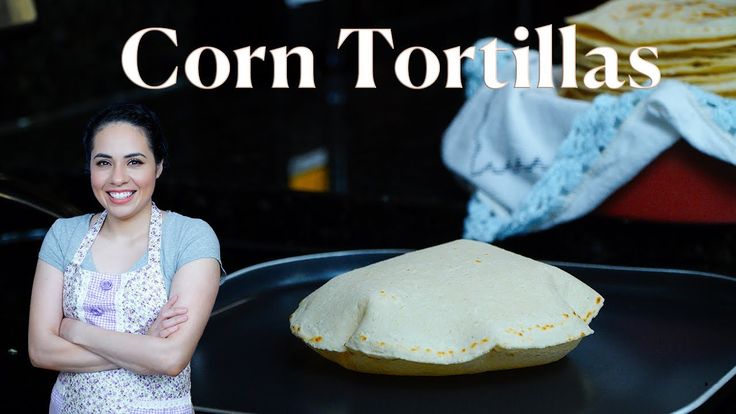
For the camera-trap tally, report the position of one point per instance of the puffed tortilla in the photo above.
(460, 307)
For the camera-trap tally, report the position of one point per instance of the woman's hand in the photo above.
(168, 319)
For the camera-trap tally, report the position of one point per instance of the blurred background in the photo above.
(370, 156)
(278, 172)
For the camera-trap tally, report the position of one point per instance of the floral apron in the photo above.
(127, 302)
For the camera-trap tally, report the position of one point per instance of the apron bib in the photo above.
(127, 302)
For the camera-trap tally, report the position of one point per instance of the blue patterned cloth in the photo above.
(606, 143)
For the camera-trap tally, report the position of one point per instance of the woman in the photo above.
(121, 298)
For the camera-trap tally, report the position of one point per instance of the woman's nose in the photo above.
(119, 174)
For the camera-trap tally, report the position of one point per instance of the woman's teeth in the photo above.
(121, 195)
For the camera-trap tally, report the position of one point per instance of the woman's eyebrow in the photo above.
(135, 154)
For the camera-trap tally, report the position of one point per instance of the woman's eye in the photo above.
(102, 163)
(135, 161)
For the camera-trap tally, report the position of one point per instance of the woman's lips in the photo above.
(120, 197)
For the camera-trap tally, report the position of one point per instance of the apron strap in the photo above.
(154, 235)
(89, 238)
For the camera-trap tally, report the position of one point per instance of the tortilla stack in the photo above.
(695, 40)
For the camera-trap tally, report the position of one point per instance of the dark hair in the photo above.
(134, 114)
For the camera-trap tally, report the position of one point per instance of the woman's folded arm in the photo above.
(196, 285)
(46, 348)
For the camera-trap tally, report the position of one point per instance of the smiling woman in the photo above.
(123, 181)
(120, 298)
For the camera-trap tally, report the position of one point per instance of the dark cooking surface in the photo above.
(662, 340)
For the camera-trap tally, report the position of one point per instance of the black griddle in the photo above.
(664, 341)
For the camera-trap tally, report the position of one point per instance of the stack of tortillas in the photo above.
(457, 308)
(695, 39)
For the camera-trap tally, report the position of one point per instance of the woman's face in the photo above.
(123, 169)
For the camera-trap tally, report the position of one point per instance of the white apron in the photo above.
(127, 302)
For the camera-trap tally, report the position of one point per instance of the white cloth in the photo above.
(537, 159)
